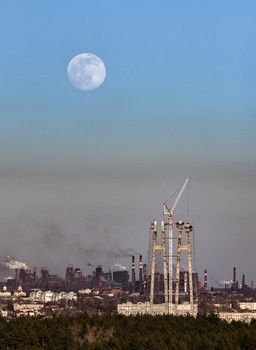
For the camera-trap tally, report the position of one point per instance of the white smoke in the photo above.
(223, 283)
(11, 264)
(120, 267)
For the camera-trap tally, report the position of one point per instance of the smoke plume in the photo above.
(223, 283)
(120, 267)
(11, 264)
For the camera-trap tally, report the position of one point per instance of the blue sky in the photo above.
(189, 65)
(178, 99)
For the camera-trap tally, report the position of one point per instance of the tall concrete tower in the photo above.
(186, 247)
(155, 248)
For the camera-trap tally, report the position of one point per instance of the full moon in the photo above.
(86, 71)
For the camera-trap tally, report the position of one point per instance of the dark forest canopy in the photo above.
(121, 332)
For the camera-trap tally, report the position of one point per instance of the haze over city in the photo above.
(84, 173)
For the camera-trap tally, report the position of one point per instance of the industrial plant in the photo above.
(164, 285)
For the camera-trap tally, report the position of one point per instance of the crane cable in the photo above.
(173, 194)
(188, 202)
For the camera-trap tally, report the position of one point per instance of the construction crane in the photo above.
(169, 213)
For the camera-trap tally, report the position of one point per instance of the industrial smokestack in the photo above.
(185, 282)
(133, 273)
(251, 284)
(100, 283)
(234, 276)
(144, 271)
(243, 281)
(140, 273)
(144, 279)
(205, 279)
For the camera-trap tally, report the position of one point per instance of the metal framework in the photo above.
(169, 213)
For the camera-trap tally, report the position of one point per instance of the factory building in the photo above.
(121, 277)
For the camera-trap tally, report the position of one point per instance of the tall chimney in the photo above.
(243, 281)
(140, 273)
(251, 284)
(234, 276)
(205, 279)
(144, 271)
(144, 276)
(185, 282)
(133, 273)
(100, 283)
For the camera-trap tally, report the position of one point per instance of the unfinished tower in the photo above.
(187, 247)
(155, 248)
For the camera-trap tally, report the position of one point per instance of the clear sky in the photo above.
(82, 170)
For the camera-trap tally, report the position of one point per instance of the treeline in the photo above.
(121, 332)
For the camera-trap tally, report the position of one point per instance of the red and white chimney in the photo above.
(140, 273)
(133, 272)
(205, 279)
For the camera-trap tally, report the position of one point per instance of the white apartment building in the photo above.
(36, 295)
(247, 305)
(237, 316)
(155, 309)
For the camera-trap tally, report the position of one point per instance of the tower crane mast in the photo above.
(169, 213)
